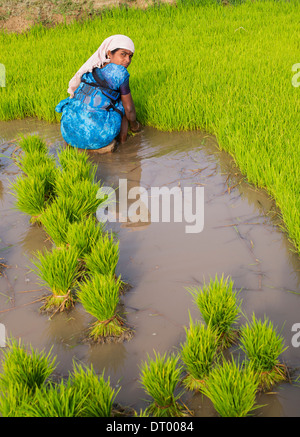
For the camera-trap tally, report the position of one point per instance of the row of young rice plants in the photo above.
(62, 196)
(232, 384)
(200, 365)
(198, 65)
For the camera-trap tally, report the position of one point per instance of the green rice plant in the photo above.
(220, 308)
(59, 271)
(14, 400)
(198, 354)
(25, 367)
(82, 194)
(104, 255)
(32, 193)
(98, 394)
(30, 163)
(56, 400)
(99, 296)
(159, 378)
(75, 165)
(32, 144)
(263, 344)
(64, 211)
(232, 388)
(56, 219)
(85, 234)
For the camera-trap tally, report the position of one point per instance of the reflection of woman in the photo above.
(100, 105)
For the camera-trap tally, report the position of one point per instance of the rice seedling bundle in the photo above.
(232, 388)
(33, 144)
(263, 345)
(56, 400)
(76, 165)
(159, 378)
(198, 354)
(103, 256)
(59, 271)
(85, 234)
(219, 306)
(32, 193)
(25, 368)
(99, 296)
(97, 393)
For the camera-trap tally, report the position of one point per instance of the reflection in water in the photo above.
(161, 260)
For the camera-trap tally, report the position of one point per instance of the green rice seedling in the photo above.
(76, 165)
(263, 344)
(25, 367)
(31, 144)
(82, 194)
(98, 394)
(30, 163)
(57, 400)
(104, 255)
(85, 234)
(32, 193)
(198, 354)
(220, 308)
(64, 211)
(56, 219)
(100, 297)
(159, 378)
(14, 400)
(59, 271)
(232, 388)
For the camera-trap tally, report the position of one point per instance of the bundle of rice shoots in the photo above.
(99, 296)
(98, 394)
(220, 308)
(59, 271)
(84, 234)
(33, 143)
(104, 255)
(198, 354)
(263, 345)
(160, 378)
(25, 367)
(232, 388)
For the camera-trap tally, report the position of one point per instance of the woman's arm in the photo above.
(130, 112)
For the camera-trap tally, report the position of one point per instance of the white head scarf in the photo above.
(100, 57)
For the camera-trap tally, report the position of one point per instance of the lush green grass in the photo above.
(200, 65)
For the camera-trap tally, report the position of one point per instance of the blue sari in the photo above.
(88, 121)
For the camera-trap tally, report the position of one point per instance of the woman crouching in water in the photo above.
(100, 107)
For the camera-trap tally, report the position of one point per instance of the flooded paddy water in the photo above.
(240, 239)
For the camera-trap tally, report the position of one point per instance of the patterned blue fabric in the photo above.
(85, 123)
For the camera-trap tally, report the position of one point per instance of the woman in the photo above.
(100, 106)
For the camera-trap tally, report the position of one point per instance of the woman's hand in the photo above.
(135, 126)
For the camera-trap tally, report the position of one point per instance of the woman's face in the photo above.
(121, 57)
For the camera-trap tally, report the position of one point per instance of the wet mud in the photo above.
(160, 260)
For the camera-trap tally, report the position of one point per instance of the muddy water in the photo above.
(160, 260)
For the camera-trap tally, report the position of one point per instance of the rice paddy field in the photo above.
(215, 87)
